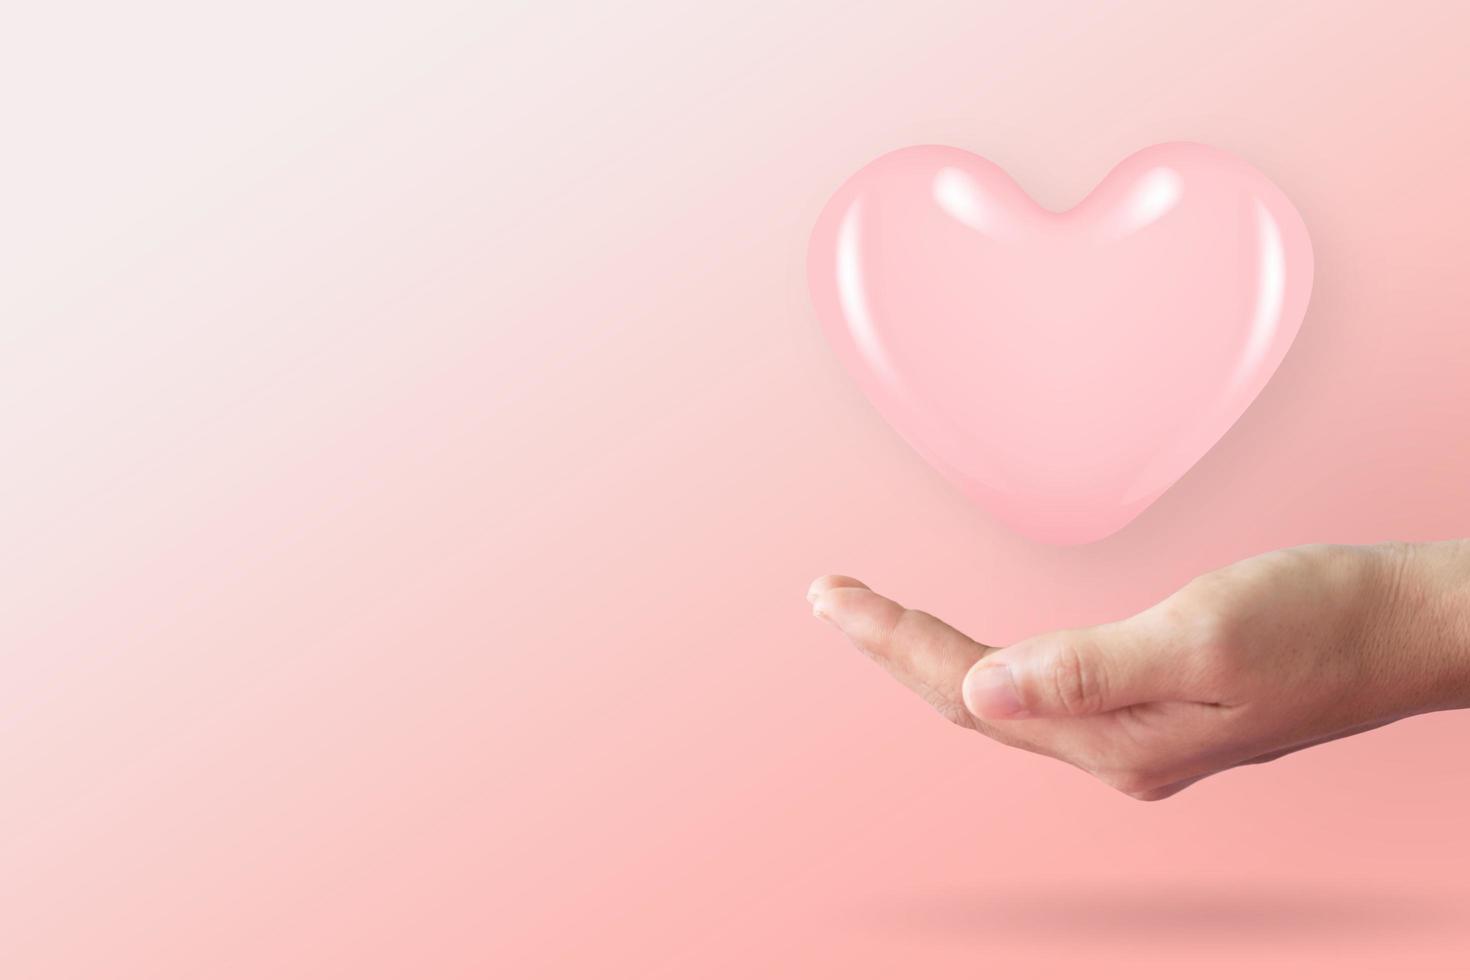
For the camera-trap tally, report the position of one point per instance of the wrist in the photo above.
(1426, 625)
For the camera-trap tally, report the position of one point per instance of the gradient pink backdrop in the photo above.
(417, 443)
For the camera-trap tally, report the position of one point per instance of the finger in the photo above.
(1076, 672)
(921, 652)
(828, 582)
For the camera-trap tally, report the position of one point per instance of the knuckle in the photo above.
(1215, 632)
(1214, 645)
(1075, 682)
(910, 631)
(953, 712)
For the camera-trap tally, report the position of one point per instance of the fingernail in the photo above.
(990, 692)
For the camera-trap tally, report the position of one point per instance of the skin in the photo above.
(1245, 664)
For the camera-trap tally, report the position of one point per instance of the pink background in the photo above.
(417, 443)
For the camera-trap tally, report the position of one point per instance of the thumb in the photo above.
(1074, 672)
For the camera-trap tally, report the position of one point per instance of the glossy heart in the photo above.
(1064, 369)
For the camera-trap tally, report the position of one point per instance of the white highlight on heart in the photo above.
(959, 198)
(1156, 194)
(1269, 296)
(854, 300)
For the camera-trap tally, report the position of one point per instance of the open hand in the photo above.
(1245, 664)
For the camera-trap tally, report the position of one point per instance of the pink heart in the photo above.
(1063, 369)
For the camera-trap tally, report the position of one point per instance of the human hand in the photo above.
(1245, 664)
